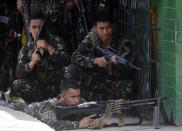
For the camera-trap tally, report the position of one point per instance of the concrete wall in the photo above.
(169, 60)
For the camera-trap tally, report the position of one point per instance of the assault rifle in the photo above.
(108, 54)
(105, 109)
(26, 18)
(43, 34)
(80, 4)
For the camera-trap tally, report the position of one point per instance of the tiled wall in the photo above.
(179, 62)
(169, 19)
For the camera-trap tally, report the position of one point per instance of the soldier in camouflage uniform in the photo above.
(63, 19)
(9, 42)
(39, 66)
(44, 111)
(92, 6)
(96, 83)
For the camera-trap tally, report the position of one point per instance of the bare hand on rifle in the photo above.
(46, 46)
(86, 121)
(101, 62)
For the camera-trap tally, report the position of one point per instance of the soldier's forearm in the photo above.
(30, 65)
(83, 61)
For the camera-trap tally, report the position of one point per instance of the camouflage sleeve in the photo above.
(60, 56)
(83, 55)
(45, 113)
(22, 69)
(124, 48)
(82, 58)
(60, 125)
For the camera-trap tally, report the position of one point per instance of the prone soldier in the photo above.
(69, 96)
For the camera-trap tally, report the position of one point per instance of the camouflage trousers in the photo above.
(7, 69)
(99, 90)
(32, 90)
(98, 87)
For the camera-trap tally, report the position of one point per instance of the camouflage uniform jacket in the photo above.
(47, 70)
(84, 55)
(44, 112)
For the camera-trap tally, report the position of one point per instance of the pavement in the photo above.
(11, 120)
(139, 128)
(145, 126)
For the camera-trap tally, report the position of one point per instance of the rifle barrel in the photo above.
(145, 100)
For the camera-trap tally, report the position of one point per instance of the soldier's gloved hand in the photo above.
(34, 60)
(101, 62)
(86, 121)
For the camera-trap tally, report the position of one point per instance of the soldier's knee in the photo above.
(20, 86)
(71, 72)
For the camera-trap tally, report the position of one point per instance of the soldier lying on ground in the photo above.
(96, 83)
(44, 111)
(39, 66)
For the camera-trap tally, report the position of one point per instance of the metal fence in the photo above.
(132, 19)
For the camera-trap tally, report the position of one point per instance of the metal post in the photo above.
(156, 115)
